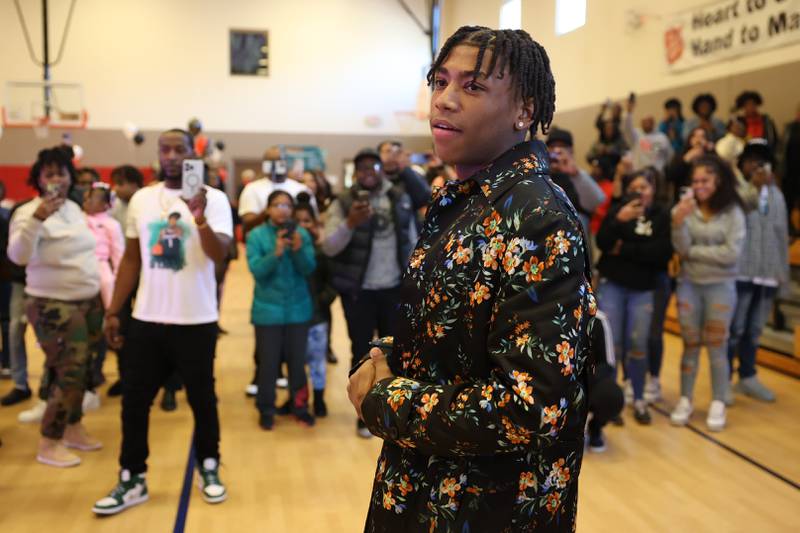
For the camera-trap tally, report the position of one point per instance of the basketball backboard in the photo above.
(39, 104)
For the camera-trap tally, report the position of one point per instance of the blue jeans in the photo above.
(753, 306)
(16, 336)
(629, 314)
(317, 354)
(705, 312)
(655, 344)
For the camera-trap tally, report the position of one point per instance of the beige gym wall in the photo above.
(156, 63)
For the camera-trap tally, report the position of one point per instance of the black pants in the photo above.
(272, 342)
(606, 398)
(153, 352)
(367, 312)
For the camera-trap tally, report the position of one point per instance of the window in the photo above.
(570, 15)
(511, 15)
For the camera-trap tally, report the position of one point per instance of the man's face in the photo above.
(561, 161)
(390, 157)
(84, 180)
(672, 113)
(648, 124)
(173, 148)
(750, 107)
(472, 119)
(369, 173)
(704, 109)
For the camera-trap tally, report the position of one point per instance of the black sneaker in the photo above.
(305, 418)
(618, 421)
(597, 443)
(115, 389)
(131, 490)
(267, 422)
(15, 396)
(642, 415)
(320, 409)
(212, 488)
(168, 401)
(286, 408)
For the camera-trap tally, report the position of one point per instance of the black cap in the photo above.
(757, 149)
(559, 136)
(365, 153)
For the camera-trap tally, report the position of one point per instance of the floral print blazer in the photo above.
(484, 423)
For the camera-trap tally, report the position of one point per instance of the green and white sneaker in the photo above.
(131, 490)
(209, 482)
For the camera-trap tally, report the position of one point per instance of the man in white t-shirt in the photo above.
(172, 247)
(253, 200)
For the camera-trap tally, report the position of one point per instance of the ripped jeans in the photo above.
(705, 312)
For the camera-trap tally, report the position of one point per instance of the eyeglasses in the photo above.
(282, 207)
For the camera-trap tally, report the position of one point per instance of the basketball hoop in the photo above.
(41, 105)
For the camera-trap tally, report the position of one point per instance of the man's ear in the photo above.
(526, 110)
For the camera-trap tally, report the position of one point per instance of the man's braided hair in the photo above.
(525, 59)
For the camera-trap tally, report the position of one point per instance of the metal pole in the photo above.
(46, 75)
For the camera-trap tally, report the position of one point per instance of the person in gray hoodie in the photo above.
(763, 268)
(708, 232)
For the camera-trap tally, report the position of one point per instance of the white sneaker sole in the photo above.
(58, 464)
(83, 447)
(210, 499)
(715, 426)
(105, 511)
(679, 422)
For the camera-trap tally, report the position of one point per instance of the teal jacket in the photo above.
(281, 294)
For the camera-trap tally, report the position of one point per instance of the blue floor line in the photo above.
(186, 491)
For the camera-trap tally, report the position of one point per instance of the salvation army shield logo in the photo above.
(673, 41)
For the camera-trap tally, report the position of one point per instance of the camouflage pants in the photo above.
(65, 331)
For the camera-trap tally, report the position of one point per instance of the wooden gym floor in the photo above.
(295, 479)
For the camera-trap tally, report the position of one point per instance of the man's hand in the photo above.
(197, 206)
(382, 370)
(111, 327)
(359, 213)
(360, 384)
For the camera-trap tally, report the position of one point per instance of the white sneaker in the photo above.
(680, 416)
(652, 391)
(91, 401)
(251, 390)
(628, 392)
(34, 414)
(716, 416)
(282, 383)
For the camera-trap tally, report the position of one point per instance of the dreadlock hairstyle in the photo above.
(526, 60)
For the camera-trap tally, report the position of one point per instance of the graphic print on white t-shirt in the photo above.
(177, 283)
(167, 246)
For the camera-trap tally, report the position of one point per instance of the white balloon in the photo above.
(130, 130)
(77, 151)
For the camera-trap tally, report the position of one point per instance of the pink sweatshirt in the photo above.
(108, 234)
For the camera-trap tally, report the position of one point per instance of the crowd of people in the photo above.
(691, 207)
(685, 206)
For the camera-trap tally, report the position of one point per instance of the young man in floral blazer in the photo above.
(482, 401)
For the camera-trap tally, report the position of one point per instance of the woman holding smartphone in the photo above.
(481, 402)
(708, 232)
(281, 256)
(49, 234)
(635, 241)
